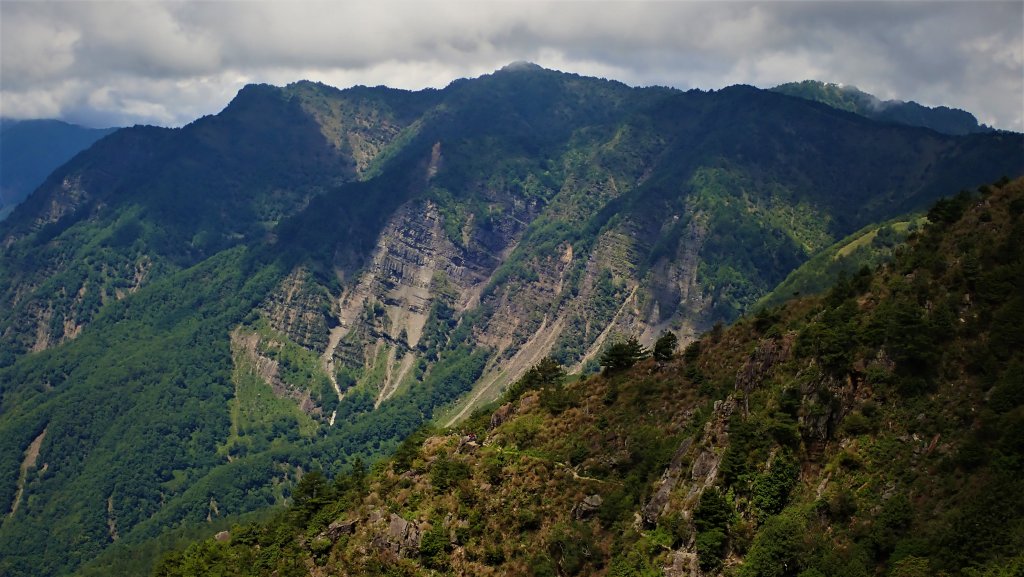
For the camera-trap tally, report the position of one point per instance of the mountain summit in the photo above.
(521, 65)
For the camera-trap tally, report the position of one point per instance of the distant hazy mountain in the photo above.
(31, 149)
(939, 119)
(190, 317)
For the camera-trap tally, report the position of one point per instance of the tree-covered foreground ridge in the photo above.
(877, 429)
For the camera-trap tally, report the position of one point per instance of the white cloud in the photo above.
(169, 62)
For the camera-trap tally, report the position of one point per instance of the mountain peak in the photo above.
(521, 66)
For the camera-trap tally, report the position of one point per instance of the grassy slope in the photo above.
(869, 246)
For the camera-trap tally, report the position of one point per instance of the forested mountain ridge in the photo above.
(940, 118)
(875, 430)
(150, 200)
(31, 149)
(190, 317)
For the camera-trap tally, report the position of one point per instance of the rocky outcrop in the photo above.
(681, 564)
(63, 201)
(768, 354)
(300, 309)
(266, 369)
(399, 537)
(666, 484)
(827, 400)
(587, 507)
(501, 414)
(713, 443)
(336, 529)
(700, 459)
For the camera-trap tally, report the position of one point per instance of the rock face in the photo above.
(587, 507)
(417, 272)
(700, 459)
(768, 354)
(338, 528)
(682, 564)
(425, 273)
(298, 309)
(669, 479)
(501, 415)
(674, 287)
(399, 537)
(413, 263)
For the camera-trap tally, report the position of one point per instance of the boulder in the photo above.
(338, 528)
(401, 538)
(681, 564)
(500, 415)
(587, 507)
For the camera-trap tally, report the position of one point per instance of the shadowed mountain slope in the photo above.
(31, 149)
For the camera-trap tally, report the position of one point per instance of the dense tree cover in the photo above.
(267, 548)
(711, 521)
(940, 118)
(161, 463)
(583, 203)
(812, 481)
(921, 339)
(136, 450)
(868, 247)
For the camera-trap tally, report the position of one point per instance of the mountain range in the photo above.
(31, 149)
(190, 318)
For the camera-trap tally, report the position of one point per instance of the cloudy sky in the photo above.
(167, 63)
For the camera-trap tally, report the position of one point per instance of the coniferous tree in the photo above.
(665, 346)
(623, 355)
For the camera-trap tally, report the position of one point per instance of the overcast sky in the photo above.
(167, 63)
